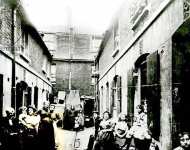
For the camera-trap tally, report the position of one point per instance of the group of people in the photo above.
(28, 130)
(73, 119)
(119, 134)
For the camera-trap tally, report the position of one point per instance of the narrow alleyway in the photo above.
(70, 140)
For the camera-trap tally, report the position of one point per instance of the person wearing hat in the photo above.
(9, 130)
(31, 122)
(96, 120)
(46, 132)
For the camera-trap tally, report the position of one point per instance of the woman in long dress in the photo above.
(105, 137)
(139, 130)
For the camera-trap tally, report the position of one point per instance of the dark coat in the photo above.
(96, 124)
(46, 139)
(9, 134)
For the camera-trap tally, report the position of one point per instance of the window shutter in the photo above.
(130, 94)
(112, 96)
(153, 68)
(119, 85)
(153, 97)
(36, 96)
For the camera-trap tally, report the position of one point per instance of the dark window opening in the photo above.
(36, 96)
(1, 94)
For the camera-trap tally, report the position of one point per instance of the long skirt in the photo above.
(104, 141)
(142, 144)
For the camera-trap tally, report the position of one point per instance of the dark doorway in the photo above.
(19, 96)
(88, 107)
(148, 70)
(21, 88)
(1, 94)
(36, 96)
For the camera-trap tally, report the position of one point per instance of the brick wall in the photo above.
(79, 45)
(5, 30)
(37, 57)
(81, 77)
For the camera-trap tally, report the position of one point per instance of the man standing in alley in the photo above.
(97, 121)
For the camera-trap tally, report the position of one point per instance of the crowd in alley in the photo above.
(120, 134)
(29, 129)
(36, 129)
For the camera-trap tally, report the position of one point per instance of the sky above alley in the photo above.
(85, 14)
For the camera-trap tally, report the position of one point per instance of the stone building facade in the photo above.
(23, 50)
(144, 59)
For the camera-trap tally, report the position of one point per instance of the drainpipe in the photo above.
(13, 89)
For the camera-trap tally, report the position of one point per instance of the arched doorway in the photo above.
(23, 94)
(144, 89)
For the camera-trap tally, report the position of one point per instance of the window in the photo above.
(116, 39)
(102, 100)
(130, 94)
(118, 88)
(1, 94)
(1, 24)
(36, 96)
(93, 71)
(138, 13)
(107, 96)
(24, 41)
(93, 81)
(53, 73)
(44, 66)
(24, 50)
(116, 95)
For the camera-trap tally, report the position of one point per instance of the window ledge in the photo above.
(48, 78)
(115, 52)
(44, 72)
(23, 56)
(140, 17)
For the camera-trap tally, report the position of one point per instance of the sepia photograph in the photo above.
(94, 74)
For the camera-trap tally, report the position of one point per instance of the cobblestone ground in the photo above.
(83, 137)
(70, 140)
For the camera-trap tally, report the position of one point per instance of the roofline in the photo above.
(31, 29)
(107, 33)
(104, 42)
(74, 60)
